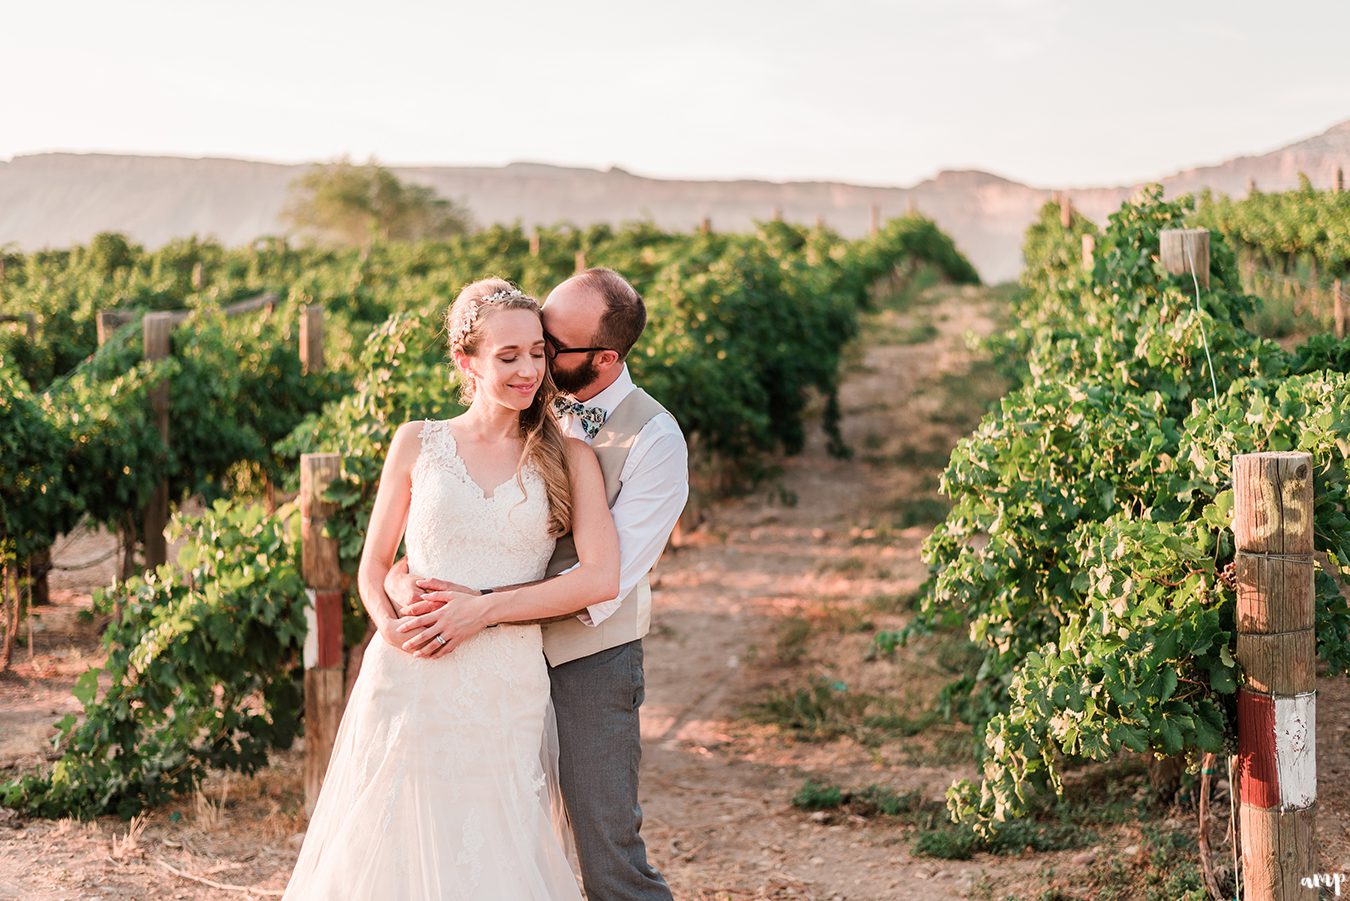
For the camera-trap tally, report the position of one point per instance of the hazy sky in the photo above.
(1044, 91)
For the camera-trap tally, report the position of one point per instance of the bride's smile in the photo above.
(508, 367)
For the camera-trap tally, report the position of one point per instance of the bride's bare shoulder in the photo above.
(578, 450)
(407, 440)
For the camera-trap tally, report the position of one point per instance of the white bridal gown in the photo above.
(436, 788)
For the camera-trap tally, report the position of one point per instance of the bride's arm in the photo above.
(388, 519)
(595, 578)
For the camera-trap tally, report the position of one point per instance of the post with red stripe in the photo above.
(1277, 750)
(323, 614)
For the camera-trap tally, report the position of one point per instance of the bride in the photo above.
(437, 785)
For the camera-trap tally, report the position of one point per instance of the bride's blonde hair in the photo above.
(545, 444)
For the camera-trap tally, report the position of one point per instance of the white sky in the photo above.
(1051, 92)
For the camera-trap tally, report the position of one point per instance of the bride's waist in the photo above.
(470, 577)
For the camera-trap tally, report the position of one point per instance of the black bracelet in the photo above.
(485, 591)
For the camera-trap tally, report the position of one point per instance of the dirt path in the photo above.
(761, 674)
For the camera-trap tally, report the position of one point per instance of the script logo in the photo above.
(1325, 880)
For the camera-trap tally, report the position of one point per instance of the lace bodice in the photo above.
(436, 787)
(458, 533)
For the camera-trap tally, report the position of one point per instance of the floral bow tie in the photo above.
(591, 418)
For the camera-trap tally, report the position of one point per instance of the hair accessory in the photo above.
(460, 332)
(503, 294)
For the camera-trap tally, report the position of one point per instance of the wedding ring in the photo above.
(440, 639)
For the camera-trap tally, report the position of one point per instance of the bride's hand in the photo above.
(432, 594)
(459, 618)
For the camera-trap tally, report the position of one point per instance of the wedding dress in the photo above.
(437, 785)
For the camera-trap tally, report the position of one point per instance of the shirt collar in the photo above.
(609, 399)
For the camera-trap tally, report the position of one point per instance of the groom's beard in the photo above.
(574, 380)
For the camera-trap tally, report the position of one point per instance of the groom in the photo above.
(591, 322)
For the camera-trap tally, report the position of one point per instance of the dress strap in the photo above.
(438, 442)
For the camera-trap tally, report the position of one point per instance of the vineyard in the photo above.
(987, 580)
(745, 329)
(1293, 248)
(1100, 492)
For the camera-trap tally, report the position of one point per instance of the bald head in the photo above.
(603, 305)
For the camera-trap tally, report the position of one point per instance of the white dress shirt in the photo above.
(655, 481)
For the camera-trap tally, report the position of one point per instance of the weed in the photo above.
(818, 796)
(793, 634)
(892, 604)
(921, 511)
(848, 566)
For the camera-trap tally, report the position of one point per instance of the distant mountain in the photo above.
(56, 199)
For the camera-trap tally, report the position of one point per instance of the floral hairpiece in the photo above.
(460, 332)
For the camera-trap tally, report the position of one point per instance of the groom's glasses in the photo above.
(556, 349)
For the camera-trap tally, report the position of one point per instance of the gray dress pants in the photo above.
(596, 700)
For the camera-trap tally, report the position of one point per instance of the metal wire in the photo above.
(1305, 559)
(1190, 262)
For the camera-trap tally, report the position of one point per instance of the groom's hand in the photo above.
(401, 587)
(433, 594)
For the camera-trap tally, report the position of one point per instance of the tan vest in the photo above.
(572, 639)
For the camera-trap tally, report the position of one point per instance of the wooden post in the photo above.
(1089, 249)
(1277, 749)
(1338, 307)
(155, 331)
(581, 261)
(1186, 250)
(534, 243)
(705, 227)
(1251, 184)
(876, 220)
(1339, 185)
(1065, 210)
(323, 641)
(311, 338)
(106, 324)
(39, 566)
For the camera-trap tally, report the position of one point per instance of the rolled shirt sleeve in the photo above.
(655, 487)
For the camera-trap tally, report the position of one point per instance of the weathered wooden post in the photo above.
(876, 220)
(105, 324)
(581, 261)
(1277, 749)
(39, 568)
(155, 331)
(1089, 250)
(323, 641)
(1065, 210)
(311, 338)
(1339, 184)
(705, 227)
(534, 243)
(1186, 251)
(1338, 307)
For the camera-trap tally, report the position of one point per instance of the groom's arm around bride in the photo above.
(591, 322)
